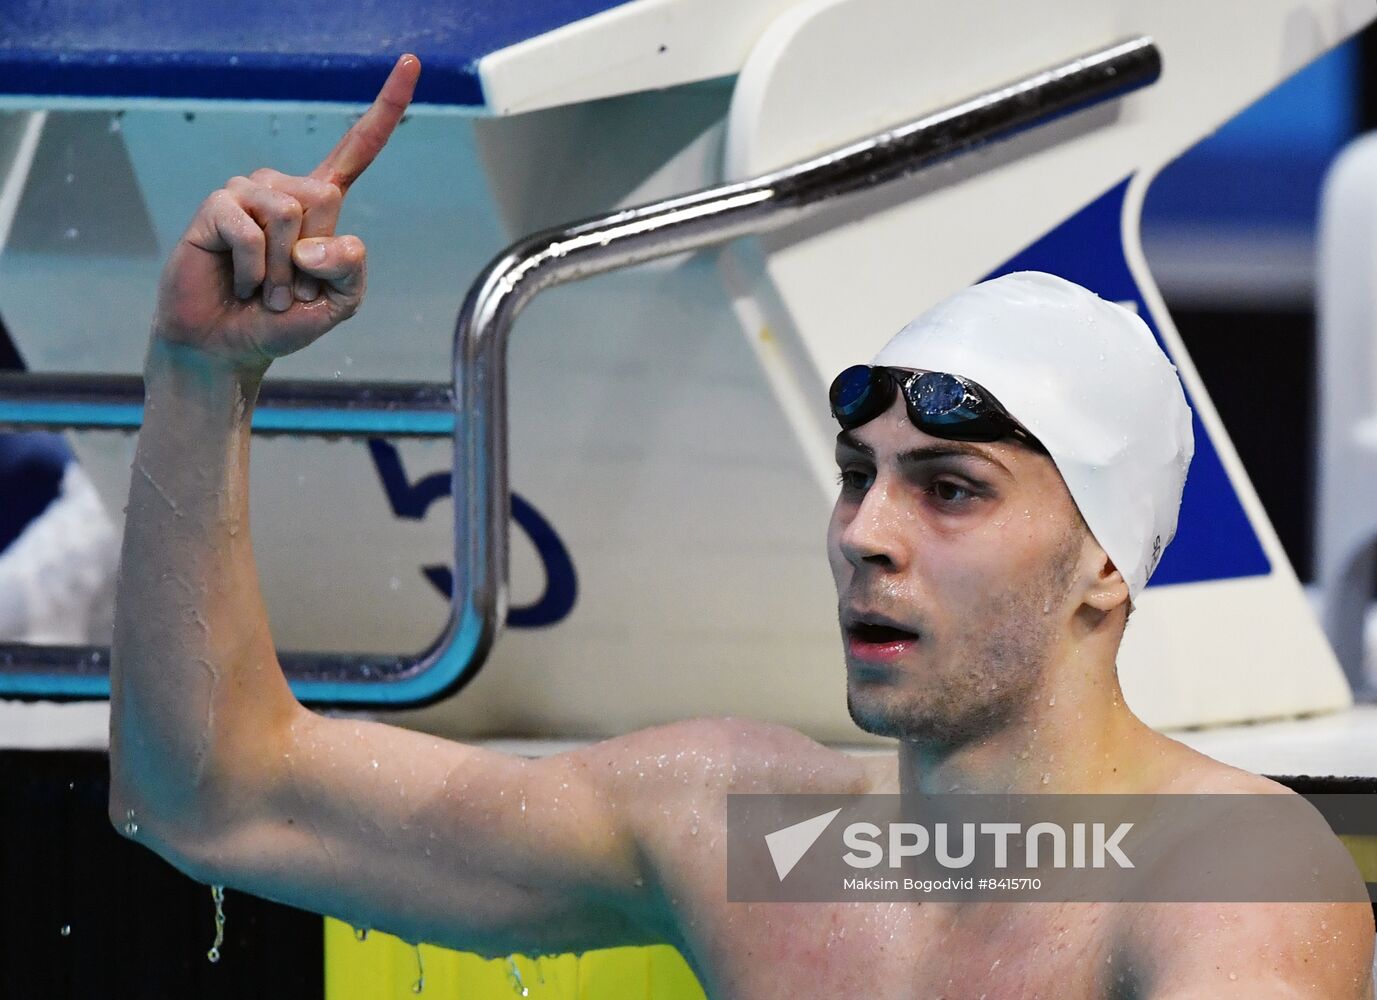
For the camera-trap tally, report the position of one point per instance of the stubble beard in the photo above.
(988, 674)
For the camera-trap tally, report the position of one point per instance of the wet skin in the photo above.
(1010, 685)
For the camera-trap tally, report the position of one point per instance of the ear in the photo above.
(1108, 589)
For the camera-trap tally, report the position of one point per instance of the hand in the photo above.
(260, 273)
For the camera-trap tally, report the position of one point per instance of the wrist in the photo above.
(167, 358)
(187, 386)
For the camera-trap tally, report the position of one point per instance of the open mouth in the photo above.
(879, 634)
(878, 643)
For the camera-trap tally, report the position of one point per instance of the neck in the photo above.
(1074, 734)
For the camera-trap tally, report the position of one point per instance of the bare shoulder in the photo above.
(1192, 772)
(1313, 950)
(1199, 949)
(668, 787)
(723, 754)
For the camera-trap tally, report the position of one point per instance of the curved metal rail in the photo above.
(552, 257)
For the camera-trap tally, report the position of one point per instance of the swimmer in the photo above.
(1010, 470)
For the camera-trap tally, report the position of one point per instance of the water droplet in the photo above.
(115, 124)
(394, 583)
(375, 764)
(130, 826)
(1051, 701)
(338, 373)
(70, 178)
(217, 893)
(1233, 975)
(514, 974)
(360, 933)
(66, 930)
(420, 982)
(71, 233)
(1046, 777)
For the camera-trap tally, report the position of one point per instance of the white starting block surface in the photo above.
(1340, 744)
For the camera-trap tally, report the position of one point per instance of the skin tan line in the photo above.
(1010, 685)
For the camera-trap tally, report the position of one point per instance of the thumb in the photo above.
(336, 260)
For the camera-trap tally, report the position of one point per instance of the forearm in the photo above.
(197, 694)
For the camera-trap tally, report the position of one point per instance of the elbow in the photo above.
(120, 812)
(154, 787)
(193, 816)
(181, 840)
(132, 820)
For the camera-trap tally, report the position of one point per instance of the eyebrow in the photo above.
(926, 453)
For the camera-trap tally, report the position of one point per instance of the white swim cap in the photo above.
(1087, 378)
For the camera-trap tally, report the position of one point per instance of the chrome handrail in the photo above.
(609, 242)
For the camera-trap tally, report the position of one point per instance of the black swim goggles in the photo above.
(940, 404)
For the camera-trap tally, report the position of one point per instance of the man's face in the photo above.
(971, 549)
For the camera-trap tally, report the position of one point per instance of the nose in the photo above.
(876, 534)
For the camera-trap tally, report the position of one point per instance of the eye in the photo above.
(951, 493)
(853, 480)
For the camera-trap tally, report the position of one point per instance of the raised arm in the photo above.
(214, 763)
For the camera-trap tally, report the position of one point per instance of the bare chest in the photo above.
(914, 952)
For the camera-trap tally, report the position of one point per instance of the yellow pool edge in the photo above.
(383, 967)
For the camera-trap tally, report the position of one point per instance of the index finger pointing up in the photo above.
(366, 138)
